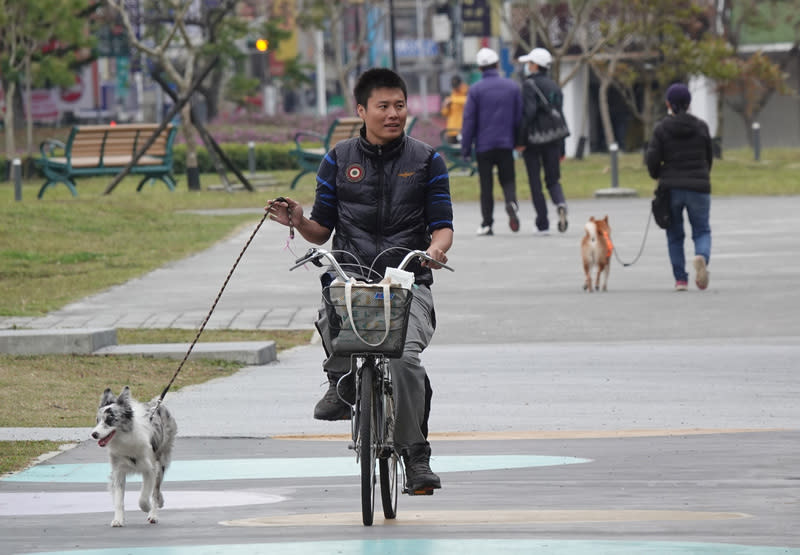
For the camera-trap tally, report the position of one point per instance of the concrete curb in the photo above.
(56, 341)
(84, 341)
(245, 352)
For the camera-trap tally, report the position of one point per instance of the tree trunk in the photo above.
(605, 114)
(214, 93)
(29, 111)
(8, 121)
(647, 109)
(190, 135)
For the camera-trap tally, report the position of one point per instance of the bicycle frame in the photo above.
(372, 431)
(373, 415)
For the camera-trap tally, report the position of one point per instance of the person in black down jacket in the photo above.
(679, 156)
(383, 190)
(539, 91)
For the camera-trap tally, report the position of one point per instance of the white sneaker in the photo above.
(485, 230)
(541, 233)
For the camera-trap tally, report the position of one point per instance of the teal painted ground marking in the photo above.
(259, 469)
(24, 503)
(447, 547)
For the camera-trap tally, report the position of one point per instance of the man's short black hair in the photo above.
(377, 78)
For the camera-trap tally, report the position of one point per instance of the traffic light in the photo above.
(258, 45)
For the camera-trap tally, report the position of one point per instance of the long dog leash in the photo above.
(213, 306)
(641, 249)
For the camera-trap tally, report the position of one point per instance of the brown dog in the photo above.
(596, 249)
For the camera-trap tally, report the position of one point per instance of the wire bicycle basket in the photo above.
(367, 318)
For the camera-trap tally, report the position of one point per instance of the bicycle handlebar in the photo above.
(421, 255)
(315, 255)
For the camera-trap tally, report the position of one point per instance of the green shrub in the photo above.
(268, 157)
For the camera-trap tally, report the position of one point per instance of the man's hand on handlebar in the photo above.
(438, 255)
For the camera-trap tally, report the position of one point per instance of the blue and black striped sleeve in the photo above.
(439, 205)
(325, 210)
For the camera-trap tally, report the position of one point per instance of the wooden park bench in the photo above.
(93, 150)
(309, 157)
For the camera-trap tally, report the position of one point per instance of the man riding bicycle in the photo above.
(377, 191)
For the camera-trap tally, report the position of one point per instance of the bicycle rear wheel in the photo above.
(367, 445)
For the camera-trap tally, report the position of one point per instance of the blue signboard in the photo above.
(413, 48)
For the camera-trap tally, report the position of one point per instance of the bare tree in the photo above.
(349, 51)
(175, 47)
(567, 29)
(758, 77)
(651, 44)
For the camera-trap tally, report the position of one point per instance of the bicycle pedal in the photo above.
(421, 491)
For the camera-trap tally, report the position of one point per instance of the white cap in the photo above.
(486, 57)
(538, 56)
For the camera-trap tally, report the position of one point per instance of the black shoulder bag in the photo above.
(660, 207)
(548, 124)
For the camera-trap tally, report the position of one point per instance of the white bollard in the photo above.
(16, 175)
(251, 157)
(757, 141)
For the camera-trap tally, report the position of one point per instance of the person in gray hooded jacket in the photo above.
(380, 190)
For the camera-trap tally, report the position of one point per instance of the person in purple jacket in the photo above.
(491, 117)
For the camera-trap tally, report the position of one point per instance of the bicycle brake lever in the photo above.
(304, 258)
(307, 257)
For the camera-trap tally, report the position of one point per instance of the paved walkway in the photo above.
(634, 420)
(509, 288)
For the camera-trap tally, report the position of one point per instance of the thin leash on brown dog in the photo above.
(641, 249)
(213, 306)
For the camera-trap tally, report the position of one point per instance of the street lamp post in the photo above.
(391, 35)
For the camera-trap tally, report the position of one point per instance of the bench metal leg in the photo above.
(52, 183)
(297, 178)
(465, 166)
(168, 181)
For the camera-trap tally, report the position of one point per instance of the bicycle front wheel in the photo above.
(388, 474)
(387, 464)
(367, 444)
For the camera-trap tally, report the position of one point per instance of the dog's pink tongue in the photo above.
(103, 442)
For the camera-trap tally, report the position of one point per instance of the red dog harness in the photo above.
(607, 240)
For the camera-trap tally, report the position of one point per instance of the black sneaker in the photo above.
(419, 476)
(562, 218)
(513, 218)
(331, 407)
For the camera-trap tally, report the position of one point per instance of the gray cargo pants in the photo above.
(411, 387)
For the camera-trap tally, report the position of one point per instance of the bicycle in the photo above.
(369, 349)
